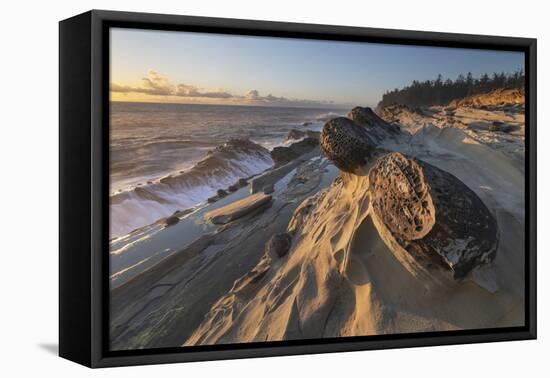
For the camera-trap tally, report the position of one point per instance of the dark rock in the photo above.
(279, 244)
(181, 213)
(149, 195)
(378, 128)
(232, 188)
(496, 126)
(435, 219)
(268, 189)
(346, 144)
(212, 199)
(221, 193)
(242, 182)
(307, 123)
(299, 134)
(170, 221)
(283, 155)
(295, 134)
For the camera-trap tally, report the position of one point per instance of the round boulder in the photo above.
(434, 219)
(171, 220)
(346, 144)
(279, 244)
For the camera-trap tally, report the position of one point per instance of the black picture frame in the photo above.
(83, 180)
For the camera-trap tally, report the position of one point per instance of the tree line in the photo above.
(441, 92)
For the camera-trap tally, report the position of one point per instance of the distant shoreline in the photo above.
(343, 107)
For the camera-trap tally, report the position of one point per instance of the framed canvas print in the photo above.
(233, 188)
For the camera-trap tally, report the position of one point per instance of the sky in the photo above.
(185, 67)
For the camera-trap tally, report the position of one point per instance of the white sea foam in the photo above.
(158, 154)
(146, 204)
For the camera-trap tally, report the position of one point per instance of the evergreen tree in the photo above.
(441, 92)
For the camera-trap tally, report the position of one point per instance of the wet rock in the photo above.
(435, 222)
(307, 123)
(181, 213)
(346, 144)
(221, 193)
(149, 195)
(268, 189)
(278, 245)
(242, 182)
(496, 126)
(171, 220)
(295, 134)
(239, 208)
(283, 155)
(272, 176)
(232, 188)
(299, 134)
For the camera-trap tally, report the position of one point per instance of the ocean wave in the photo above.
(222, 167)
(327, 116)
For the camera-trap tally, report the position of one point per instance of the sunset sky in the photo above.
(181, 67)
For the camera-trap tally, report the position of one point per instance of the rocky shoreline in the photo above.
(394, 227)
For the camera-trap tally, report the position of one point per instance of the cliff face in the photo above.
(495, 119)
(499, 97)
(442, 255)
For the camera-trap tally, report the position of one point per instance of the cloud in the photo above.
(156, 84)
(121, 88)
(254, 96)
(192, 91)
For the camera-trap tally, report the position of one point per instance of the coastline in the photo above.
(178, 297)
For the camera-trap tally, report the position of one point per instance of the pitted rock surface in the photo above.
(432, 215)
(346, 144)
(400, 196)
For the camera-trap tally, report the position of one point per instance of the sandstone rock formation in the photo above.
(347, 145)
(238, 209)
(278, 245)
(379, 129)
(282, 155)
(435, 222)
(499, 97)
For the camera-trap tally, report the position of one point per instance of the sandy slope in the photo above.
(162, 306)
(340, 279)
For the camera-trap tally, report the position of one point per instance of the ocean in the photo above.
(169, 157)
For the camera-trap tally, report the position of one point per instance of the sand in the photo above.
(339, 277)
